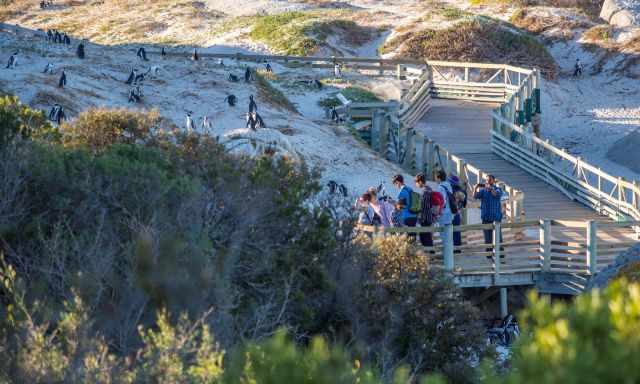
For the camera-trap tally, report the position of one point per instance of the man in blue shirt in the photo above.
(404, 198)
(490, 197)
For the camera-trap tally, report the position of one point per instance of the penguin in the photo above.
(63, 80)
(258, 120)
(253, 107)
(231, 99)
(80, 51)
(131, 77)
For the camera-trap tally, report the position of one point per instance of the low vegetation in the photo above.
(598, 33)
(479, 40)
(131, 253)
(270, 94)
(302, 33)
(550, 26)
(352, 93)
(111, 22)
(593, 339)
(589, 7)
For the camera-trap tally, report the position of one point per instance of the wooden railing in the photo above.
(476, 81)
(528, 247)
(373, 65)
(609, 195)
(416, 102)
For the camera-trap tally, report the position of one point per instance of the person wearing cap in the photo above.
(460, 197)
(404, 199)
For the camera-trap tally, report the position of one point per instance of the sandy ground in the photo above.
(588, 115)
(585, 115)
(200, 87)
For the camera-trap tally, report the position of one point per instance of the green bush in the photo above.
(354, 94)
(285, 32)
(112, 243)
(594, 340)
(99, 128)
(18, 120)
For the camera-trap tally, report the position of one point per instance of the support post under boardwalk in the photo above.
(504, 303)
(497, 229)
(545, 244)
(447, 247)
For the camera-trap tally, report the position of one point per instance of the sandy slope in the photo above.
(589, 114)
(187, 86)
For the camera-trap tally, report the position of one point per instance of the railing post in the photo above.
(504, 308)
(447, 247)
(496, 247)
(592, 246)
(545, 244)
(431, 159)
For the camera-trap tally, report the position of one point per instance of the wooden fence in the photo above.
(609, 195)
(373, 66)
(519, 251)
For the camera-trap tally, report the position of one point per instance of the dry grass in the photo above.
(598, 33)
(478, 40)
(45, 98)
(120, 21)
(271, 95)
(552, 27)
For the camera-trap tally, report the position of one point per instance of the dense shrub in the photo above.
(99, 128)
(596, 339)
(18, 120)
(415, 314)
(118, 236)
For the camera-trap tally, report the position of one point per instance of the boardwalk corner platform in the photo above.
(565, 219)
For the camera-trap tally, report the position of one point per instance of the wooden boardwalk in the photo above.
(464, 128)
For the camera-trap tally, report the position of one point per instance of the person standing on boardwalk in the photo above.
(382, 208)
(490, 197)
(460, 202)
(446, 190)
(428, 214)
(404, 200)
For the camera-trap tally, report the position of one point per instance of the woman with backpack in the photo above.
(460, 203)
(432, 204)
(446, 190)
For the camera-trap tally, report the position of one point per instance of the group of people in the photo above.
(426, 206)
(46, 4)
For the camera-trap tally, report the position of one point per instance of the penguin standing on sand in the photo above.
(63, 80)
(13, 61)
(253, 107)
(80, 51)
